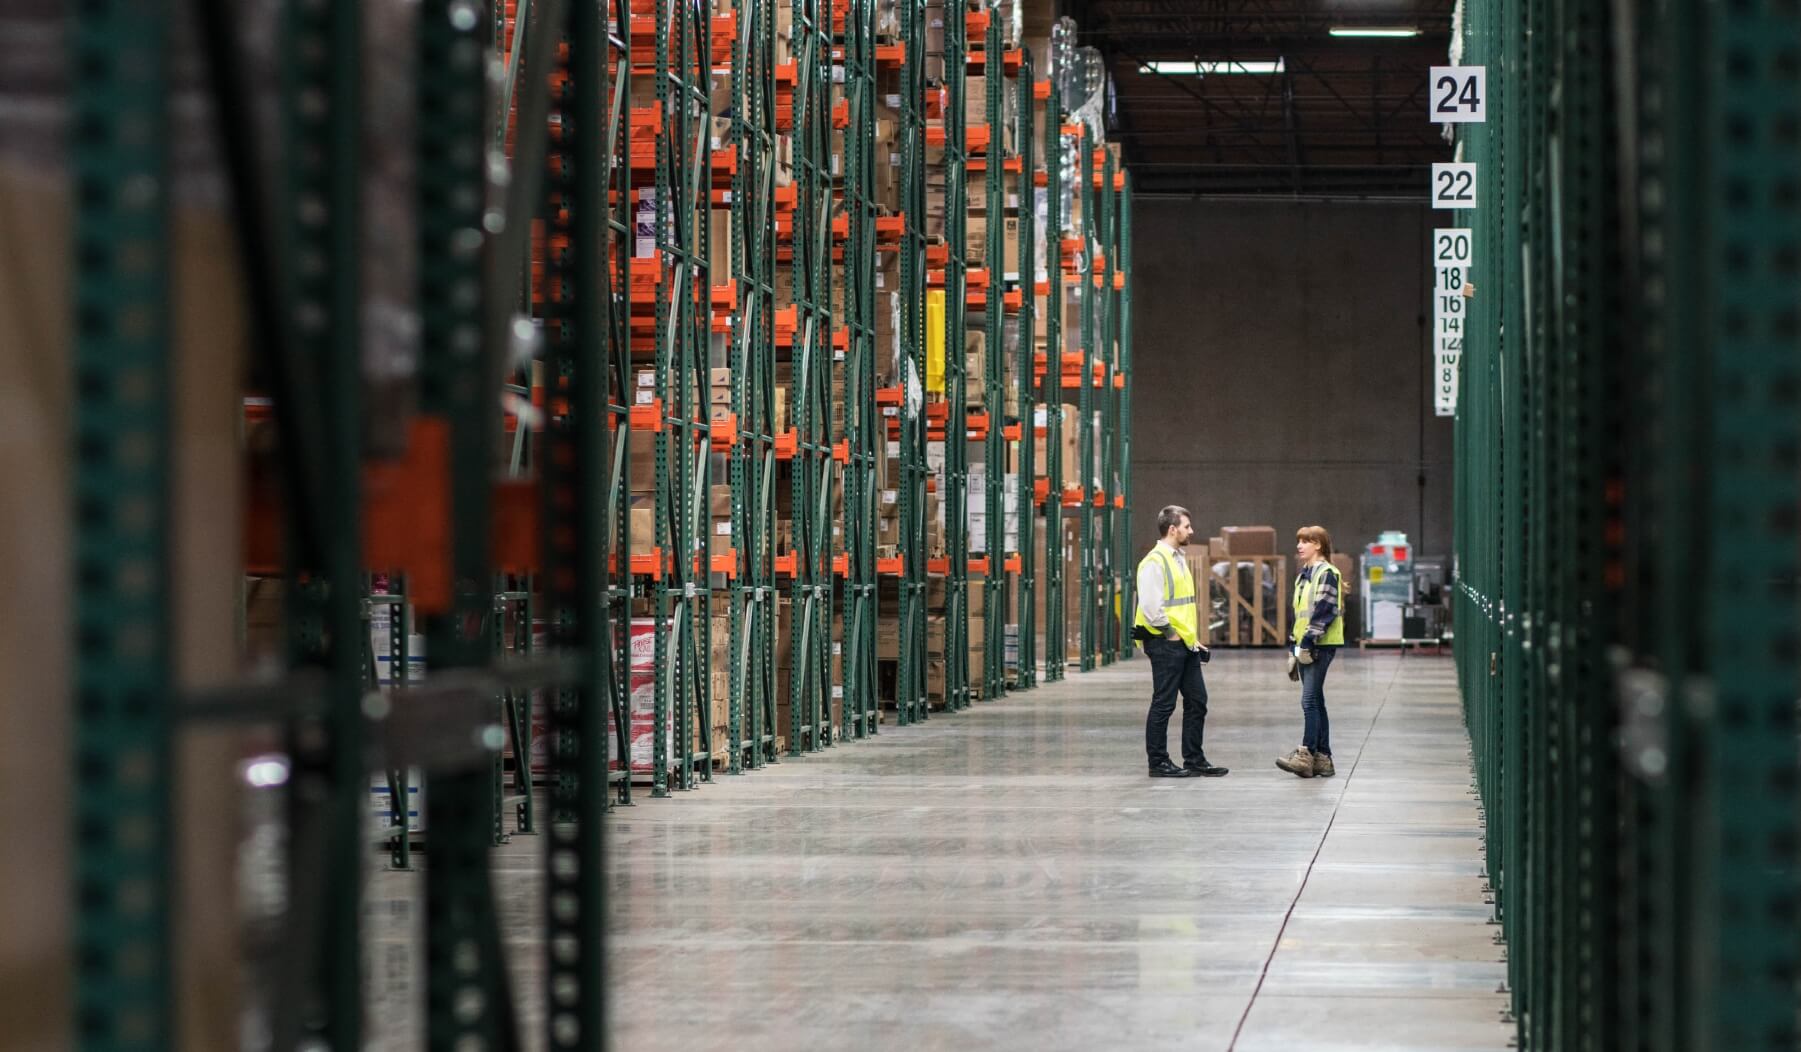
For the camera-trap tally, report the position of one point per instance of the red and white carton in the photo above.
(640, 733)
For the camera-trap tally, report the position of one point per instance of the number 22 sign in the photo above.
(1459, 94)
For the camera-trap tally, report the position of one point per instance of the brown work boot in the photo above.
(1322, 766)
(1298, 763)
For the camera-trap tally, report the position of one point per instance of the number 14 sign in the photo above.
(1459, 94)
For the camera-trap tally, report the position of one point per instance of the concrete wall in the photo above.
(1280, 362)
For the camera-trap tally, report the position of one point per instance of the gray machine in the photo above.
(1387, 573)
(1403, 594)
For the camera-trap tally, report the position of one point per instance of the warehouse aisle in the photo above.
(1008, 878)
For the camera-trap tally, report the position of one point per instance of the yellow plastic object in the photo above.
(935, 341)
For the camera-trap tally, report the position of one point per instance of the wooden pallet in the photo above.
(1267, 627)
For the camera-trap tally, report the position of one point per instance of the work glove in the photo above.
(1294, 665)
(1304, 654)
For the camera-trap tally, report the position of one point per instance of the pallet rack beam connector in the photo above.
(124, 672)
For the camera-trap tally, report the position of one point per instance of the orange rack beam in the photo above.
(648, 417)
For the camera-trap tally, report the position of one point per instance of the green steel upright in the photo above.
(864, 429)
(1107, 437)
(910, 674)
(617, 589)
(579, 509)
(810, 390)
(752, 714)
(954, 488)
(1123, 549)
(1626, 433)
(467, 995)
(995, 607)
(684, 187)
(1056, 624)
(319, 216)
(124, 667)
(1087, 485)
(1026, 597)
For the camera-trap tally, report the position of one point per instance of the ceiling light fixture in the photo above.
(1210, 68)
(1374, 31)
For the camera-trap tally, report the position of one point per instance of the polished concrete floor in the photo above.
(1008, 878)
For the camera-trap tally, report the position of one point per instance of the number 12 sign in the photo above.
(1459, 94)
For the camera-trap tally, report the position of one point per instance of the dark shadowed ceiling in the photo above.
(1345, 116)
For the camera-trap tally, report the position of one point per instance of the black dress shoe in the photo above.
(1205, 769)
(1170, 770)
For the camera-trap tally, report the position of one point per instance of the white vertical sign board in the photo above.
(1453, 185)
(1459, 95)
(1451, 256)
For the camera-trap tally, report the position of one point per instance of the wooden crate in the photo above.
(1256, 619)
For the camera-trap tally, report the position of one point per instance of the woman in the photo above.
(1318, 633)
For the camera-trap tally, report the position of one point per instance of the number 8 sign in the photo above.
(1459, 94)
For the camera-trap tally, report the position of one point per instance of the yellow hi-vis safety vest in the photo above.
(1178, 596)
(1304, 594)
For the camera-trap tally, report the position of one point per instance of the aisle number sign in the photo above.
(1451, 257)
(1459, 95)
(1453, 185)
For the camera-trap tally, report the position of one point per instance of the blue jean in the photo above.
(1317, 729)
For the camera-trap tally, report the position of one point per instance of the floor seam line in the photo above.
(1344, 788)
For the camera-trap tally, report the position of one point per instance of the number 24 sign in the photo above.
(1459, 94)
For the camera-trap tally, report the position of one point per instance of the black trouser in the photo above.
(1174, 668)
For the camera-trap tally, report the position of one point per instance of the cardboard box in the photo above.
(1010, 246)
(642, 464)
(975, 99)
(975, 241)
(643, 525)
(1249, 540)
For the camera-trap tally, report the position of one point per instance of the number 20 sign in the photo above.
(1459, 94)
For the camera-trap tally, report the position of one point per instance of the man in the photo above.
(1168, 628)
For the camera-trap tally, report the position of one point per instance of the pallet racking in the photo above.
(1626, 432)
(669, 171)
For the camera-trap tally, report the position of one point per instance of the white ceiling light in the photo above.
(1374, 31)
(1210, 68)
